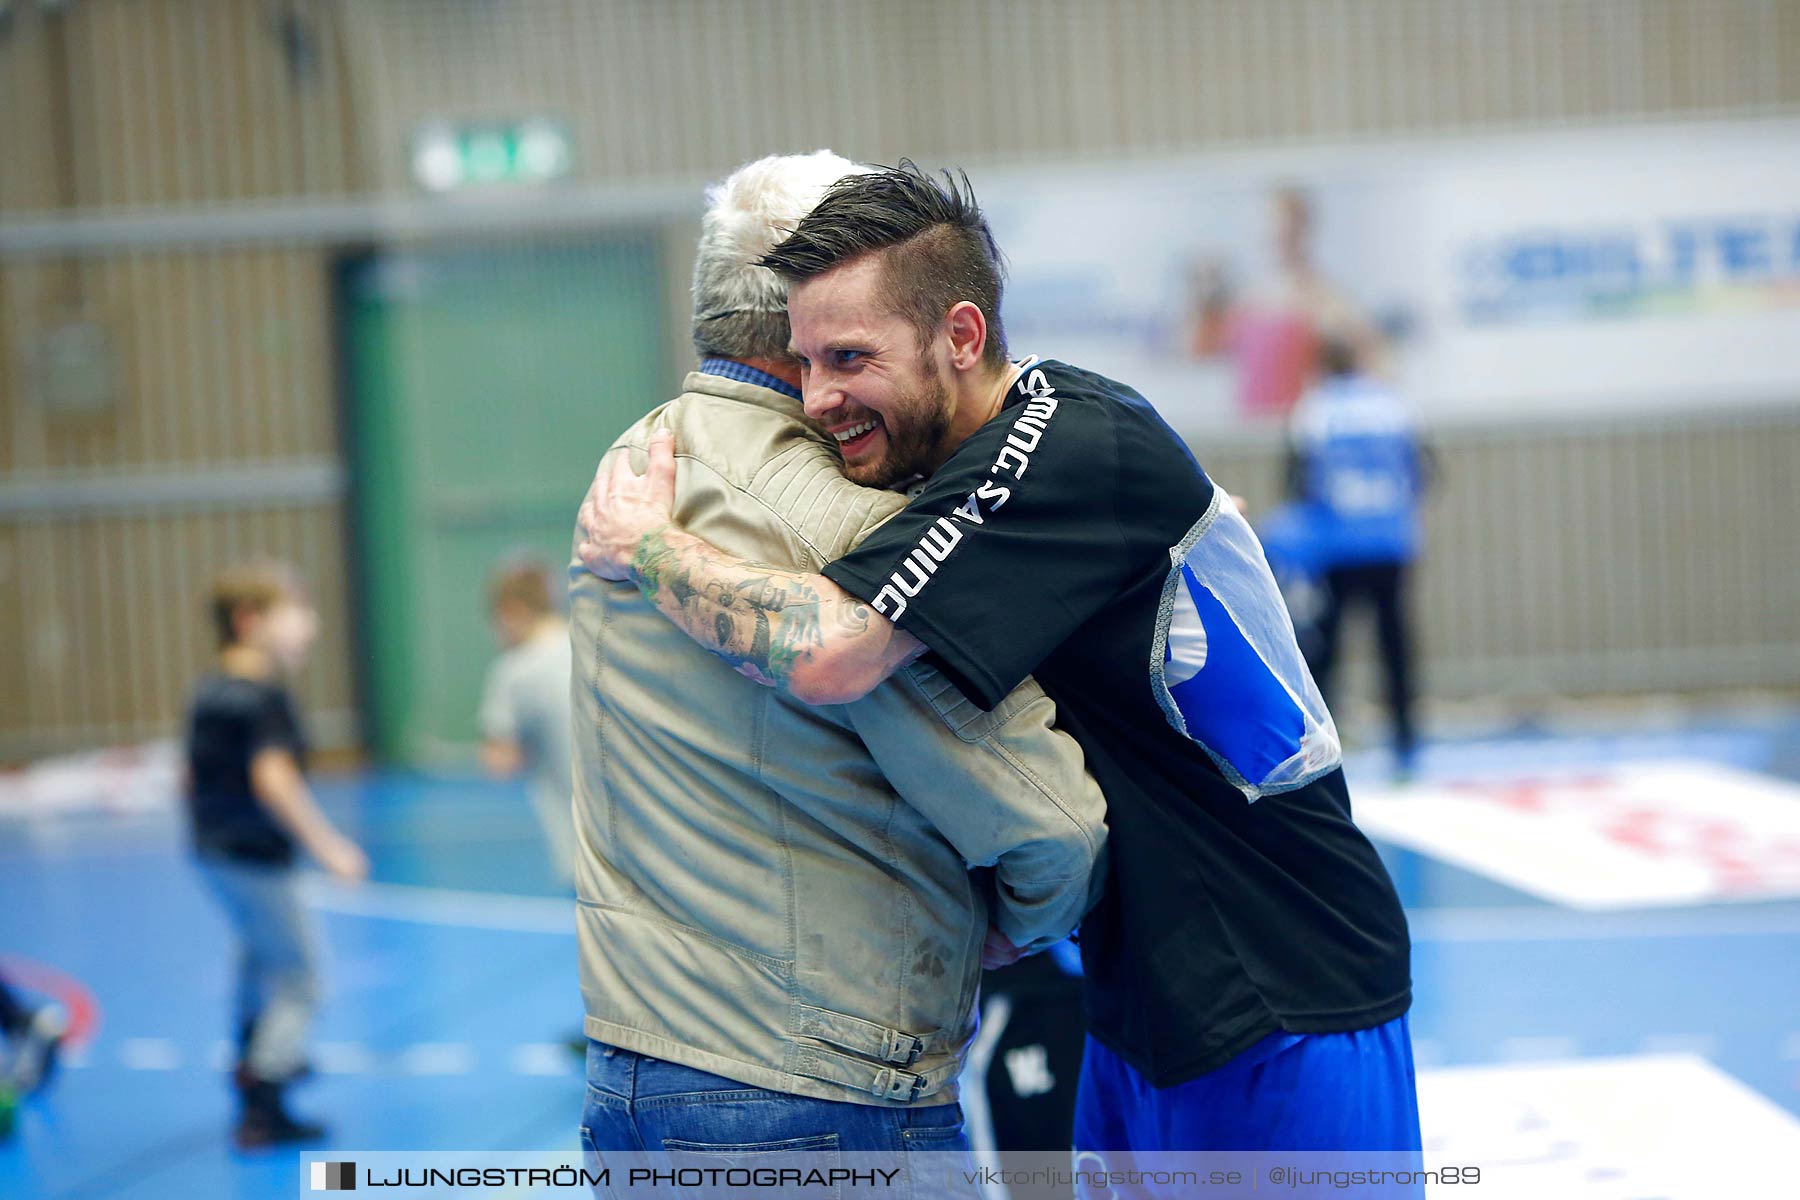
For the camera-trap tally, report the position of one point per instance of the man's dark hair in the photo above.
(936, 246)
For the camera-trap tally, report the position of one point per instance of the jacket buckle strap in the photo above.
(903, 1049)
(891, 1084)
(867, 1038)
(886, 1083)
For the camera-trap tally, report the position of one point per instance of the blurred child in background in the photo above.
(251, 809)
(525, 705)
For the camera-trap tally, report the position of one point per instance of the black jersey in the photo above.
(1075, 538)
(229, 721)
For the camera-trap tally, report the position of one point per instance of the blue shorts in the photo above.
(1315, 1091)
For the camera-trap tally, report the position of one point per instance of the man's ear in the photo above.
(968, 334)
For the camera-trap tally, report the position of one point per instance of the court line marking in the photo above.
(555, 1058)
(75, 996)
(1429, 1052)
(354, 1058)
(443, 906)
(1700, 1045)
(543, 1058)
(437, 1058)
(1526, 923)
(511, 913)
(1537, 1049)
(343, 1058)
(150, 1054)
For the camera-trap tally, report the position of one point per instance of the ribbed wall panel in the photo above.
(221, 357)
(104, 627)
(180, 102)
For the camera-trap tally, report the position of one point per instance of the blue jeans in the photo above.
(277, 961)
(639, 1103)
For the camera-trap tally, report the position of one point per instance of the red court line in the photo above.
(70, 992)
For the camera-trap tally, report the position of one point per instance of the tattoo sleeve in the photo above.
(769, 623)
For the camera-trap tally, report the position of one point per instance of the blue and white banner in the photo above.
(1557, 274)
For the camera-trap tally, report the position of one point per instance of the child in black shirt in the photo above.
(250, 808)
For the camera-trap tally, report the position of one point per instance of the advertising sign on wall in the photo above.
(1557, 274)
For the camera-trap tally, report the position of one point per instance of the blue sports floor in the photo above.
(452, 975)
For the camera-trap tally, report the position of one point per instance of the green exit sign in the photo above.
(447, 157)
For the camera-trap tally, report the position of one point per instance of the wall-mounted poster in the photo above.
(1557, 274)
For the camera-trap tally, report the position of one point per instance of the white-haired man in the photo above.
(784, 910)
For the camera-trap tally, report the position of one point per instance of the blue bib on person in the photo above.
(1360, 484)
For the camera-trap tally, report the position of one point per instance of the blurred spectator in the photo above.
(1028, 1060)
(33, 1035)
(1273, 331)
(1357, 470)
(251, 807)
(525, 705)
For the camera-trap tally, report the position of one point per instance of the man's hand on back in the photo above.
(998, 951)
(623, 506)
(793, 630)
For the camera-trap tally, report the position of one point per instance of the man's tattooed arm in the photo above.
(792, 630)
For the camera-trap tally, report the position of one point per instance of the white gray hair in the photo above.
(740, 308)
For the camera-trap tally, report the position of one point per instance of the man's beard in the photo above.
(915, 436)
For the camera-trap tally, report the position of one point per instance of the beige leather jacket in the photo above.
(780, 894)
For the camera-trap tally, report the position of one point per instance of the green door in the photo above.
(483, 385)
